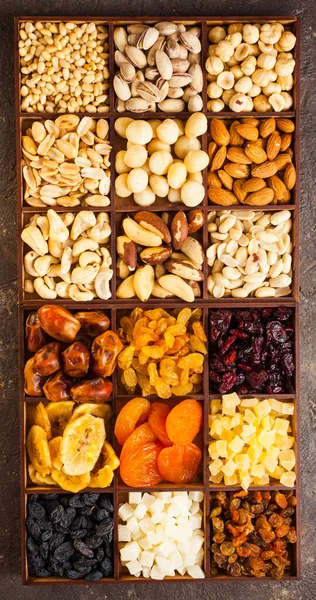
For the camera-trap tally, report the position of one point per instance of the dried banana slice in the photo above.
(54, 449)
(102, 473)
(37, 478)
(59, 414)
(38, 450)
(81, 444)
(41, 419)
(69, 483)
(103, 411)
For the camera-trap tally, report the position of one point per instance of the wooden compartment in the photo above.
(118, 307)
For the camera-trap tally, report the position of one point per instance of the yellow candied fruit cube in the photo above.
(288, 479)
(221, 448)
(266, 438)
(277, 472)
(216, 466)
(212, 450)
(237, 444)
(217, 478)
(229, 468)
(287, 459)
(216, 428)
(243, 462)
(230, 401)
(270, 463)
(249, 416)
(237, 419)
(281, 426)
(267, 423)
(257, 471)
(276, 405)
(215, 406)
(247, 432)
(231, 480)
(262, 409)
(249, 402)
(227, 435)
(245, 479)
(226, 422)
(273, 451)
(287, 408)
(284, 442)
(265, 480)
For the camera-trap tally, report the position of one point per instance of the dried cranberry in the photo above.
(257, 380)
(239, 334)
(243, 389)
(217, 364)
(257, 344)
(282, 313)
(243, 367)
(240, 378)
(228, 381)
(219, 323)
(287, 364)
(276, 333)
(225, 345)
(215, 377)
(230, 357)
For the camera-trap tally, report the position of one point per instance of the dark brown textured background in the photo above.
(10, 581)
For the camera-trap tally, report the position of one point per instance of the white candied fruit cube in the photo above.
(134, 567)
(164, 549)
(146, 572)
(182, 570)
(156, 573)
(140, 511)
(148, 499)
(132, 525)
(164, 565)
(130, 552)
(188, 560)
(134, 497)
(144, 543)
(137, 535)
(184, 547)
(152, 538)
(249, 402)
(156, 506)
(196, 572)
(146, 525)
(161, 534)
(147, 558)
(195, 507)
(196, 521)
(156, 517)
(124, 534)
(165, 497)
(175, 559)
(125, 511)
(196, 543)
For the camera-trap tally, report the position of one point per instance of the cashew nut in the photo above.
(29, 260)
(43, 290)
(49, 282)
(62, 289)
(84, 274)
(55, 271)
(28, 286)
(107, 260)
(82, 245)
(87, 258)
(102, 230)
(55, 248)
(83, 221)
(57, 230)
(67, 219)
(32, 236)
(42, 264)
(43, 223)
(79, 296)
(102, 283)
(66, 260)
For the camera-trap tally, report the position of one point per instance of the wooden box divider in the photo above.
(116, 307)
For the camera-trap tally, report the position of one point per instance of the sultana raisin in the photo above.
(153, 351)
(162, 388)
(196, 345)
(184, 316)
(282, 531)
(193, 361)
(227, 548)
(243, 551)
(126, 357)
(167, 371)
(280, 500)
(182, 390)
(199, 331)
(267, 555)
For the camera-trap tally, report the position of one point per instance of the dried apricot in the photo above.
(140, 469)
(132, 414)
(179, 464)
(141, 435)
(157, 416)
(184, 421)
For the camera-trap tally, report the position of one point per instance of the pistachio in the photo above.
(136, 56)
(164, 65)
(191, 42)
(121, 87)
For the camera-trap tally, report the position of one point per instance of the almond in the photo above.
(155, 256)
(195, 220)
(282, 160)
(285, 125)
(179, 229)
(235, 138)
(151, 222)
(248, 132)
(286, 198)
(238, 155)
(127, 251)
(238, 190)
(273, 145)
(267, 127)
(222, 197)
(290, 176)
(237, 171)
(184, 269)
(226, 179)
(253, 185)
(266, 169)
(219, 158)
(264, 196)
(251, 121)
(213, 180)
(212, 149)
(255, 153)
(277, 185)
(286, 140)
(220, 133)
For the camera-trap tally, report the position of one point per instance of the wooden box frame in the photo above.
(116, 306)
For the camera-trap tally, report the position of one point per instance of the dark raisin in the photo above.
(108, 550)
(94, 576)
(64, 551)
(33, 528)
(86, 511)
(32, 545)
(105, 502)
(46, 535)
(56, 540)
(36, 510)
(99, 554)
(90, 499)
(100, 513)
(81, 547)
(40, 572)
(76, 501)
(68, 517)
(93, 541)
(57, 514)
(72, 574)
(79, 523)
(106, 567)
(105, 529)
(56, 567)
(78, 534)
